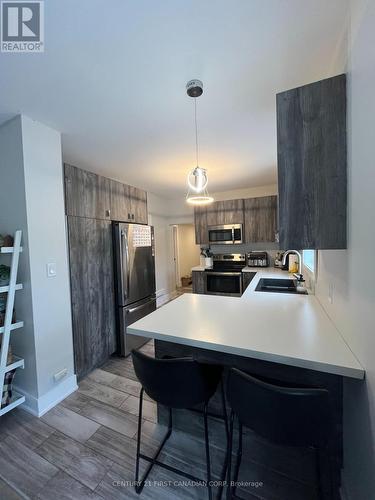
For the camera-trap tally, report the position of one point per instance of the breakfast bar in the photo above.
(274, 336)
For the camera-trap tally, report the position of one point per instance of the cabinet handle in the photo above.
(133, 216)
(129, 216)
(108, 213)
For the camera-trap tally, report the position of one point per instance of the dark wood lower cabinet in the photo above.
(92, 292)
(198, 278)
(247, 278)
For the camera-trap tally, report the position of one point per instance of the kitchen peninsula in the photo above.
(274, 336)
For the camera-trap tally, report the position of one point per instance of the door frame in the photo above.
(176, 260)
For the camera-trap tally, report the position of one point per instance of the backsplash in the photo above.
(270, 248)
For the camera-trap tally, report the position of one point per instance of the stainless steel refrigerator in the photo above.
(134, 254)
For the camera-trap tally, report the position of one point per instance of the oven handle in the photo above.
(223, 273)
(233, 235)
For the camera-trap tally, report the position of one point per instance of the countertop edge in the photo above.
(344, 371)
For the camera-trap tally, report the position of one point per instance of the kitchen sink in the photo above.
(278, 285)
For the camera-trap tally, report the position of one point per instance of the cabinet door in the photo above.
(86, 194)
(200, 222)
(312, 177)
(260, 219)
(233, 212)
(138, 205)
(92, 292)
(198, 278)
(120, 201)
(225, 212)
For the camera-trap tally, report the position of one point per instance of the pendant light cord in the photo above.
(196, 129)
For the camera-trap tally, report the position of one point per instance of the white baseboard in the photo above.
(40, 406)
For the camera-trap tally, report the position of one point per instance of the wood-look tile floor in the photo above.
(84, 448)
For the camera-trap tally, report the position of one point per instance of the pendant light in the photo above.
(197, 178)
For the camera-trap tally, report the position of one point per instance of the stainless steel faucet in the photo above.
(300, 275)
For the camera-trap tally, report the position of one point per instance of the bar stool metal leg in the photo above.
(239, 457)
(208, 463)
(229, 456)
(140, 484)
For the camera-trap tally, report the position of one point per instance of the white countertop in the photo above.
(284, 328)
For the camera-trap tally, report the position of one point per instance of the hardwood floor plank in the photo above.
(118, 485)
(8, 493)
(120, 366)
(116, 447)
(128, 385)
(102, 393)
(70, 423)
(101, 376)
(149, 410)
(29, 430)
(75, 402)
(113, 418)
(23, 468)
(64, 487)
(76, 459)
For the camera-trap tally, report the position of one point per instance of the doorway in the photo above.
(186, 254)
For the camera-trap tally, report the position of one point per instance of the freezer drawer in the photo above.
(128, 316)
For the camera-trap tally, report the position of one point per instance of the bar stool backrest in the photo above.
(177, 382)
(285, 415)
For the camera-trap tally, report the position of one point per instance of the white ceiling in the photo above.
(112, 80)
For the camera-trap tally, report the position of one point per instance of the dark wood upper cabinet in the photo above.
(86, 194)
(138, 205)
(260, 219)
(120, 201)
(200, 222)
(225, 212)
(312, 165)
(97, 197)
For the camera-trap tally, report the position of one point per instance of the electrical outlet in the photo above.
(330, 293)
(59, 375)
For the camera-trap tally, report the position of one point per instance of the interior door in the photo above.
(139, 261)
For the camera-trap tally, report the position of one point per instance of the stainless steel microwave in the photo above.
(227, 234)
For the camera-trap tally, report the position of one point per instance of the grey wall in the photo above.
(350, 273)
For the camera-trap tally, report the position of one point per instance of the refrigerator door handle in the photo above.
(133, 309)
(125, 240)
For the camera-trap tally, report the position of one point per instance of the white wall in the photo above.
(351, 272)
(13, 215)
(188, 251)
(46, 341)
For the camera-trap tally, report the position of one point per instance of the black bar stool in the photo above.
(180, 383)
(289, 416)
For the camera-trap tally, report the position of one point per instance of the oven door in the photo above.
(227, 234)
(223, 283)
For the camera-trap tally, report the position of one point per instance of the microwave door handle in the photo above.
(233, 235)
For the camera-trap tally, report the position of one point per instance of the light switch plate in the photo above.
(51, 269)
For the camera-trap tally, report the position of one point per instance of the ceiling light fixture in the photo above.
(197, 178)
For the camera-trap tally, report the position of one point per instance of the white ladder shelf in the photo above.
(8, 327)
